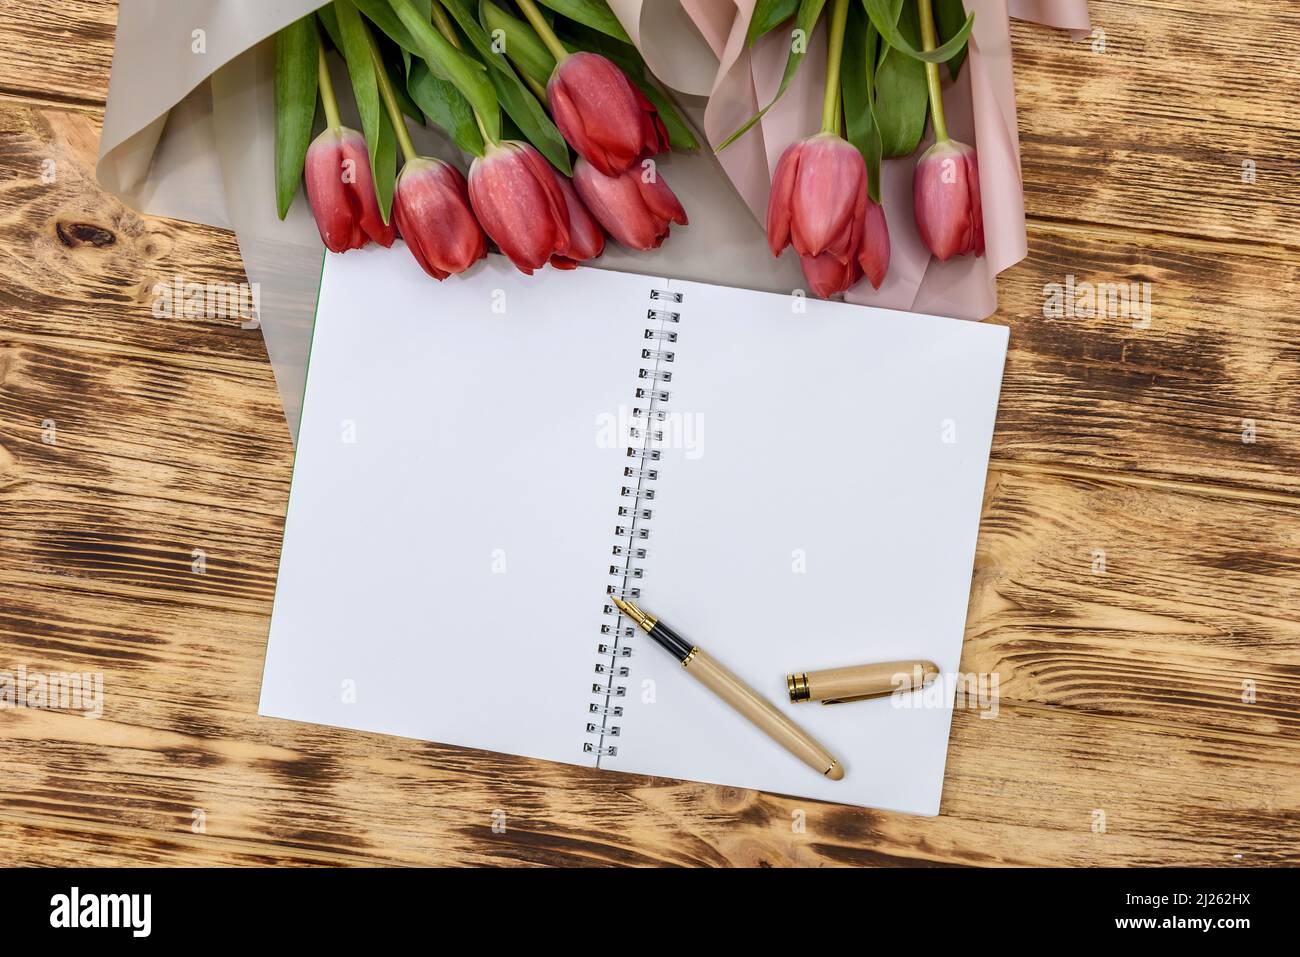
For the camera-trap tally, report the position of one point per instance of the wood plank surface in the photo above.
(57, 51)
(1137, 585)
(1148, 127)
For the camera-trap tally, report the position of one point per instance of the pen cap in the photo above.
(836, 685)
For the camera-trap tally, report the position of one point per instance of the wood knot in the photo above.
(733, 800)
(74, 235)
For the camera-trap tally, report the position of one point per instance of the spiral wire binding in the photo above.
(615, 645)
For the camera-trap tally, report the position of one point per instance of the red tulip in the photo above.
(517, 197)
(602, 115)
(586, 240)
(635, 207)
(819, 204)
(873, 255)
(946, 200)
(827, 274)
(431, 208)
(341, 191)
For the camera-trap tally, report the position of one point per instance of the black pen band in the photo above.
(670, 641)
(745, 700)
(667, 639)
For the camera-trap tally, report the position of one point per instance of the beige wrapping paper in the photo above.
(192, 136)
(189, 133)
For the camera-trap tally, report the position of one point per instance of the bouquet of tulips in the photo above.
(514, 85)
(882, 81)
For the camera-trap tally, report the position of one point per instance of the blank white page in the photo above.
(453, 502)
(818, 508)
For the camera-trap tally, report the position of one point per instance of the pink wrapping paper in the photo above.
(192, 136)
(981, 110)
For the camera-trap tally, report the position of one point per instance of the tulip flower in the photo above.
(873, 254)
(602, 115)
(340, 184)
(431, 208)
(586, 240)
(596, 108)
(517, 197)
(827, 274)
(946, 181)
(819, 201)
(819, 204)
(946, 200)
(635, 207)
(341, 191)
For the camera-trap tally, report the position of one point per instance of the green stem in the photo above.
(928, 42)
(538, 89)
(834, 55)
(539, 24)
(390, 99)
(483, 132)
(443, 23)
(327, 90)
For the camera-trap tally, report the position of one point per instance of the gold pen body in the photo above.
(749, 703)
(856, 683)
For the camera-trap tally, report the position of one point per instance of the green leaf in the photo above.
(464, 16)
(509, 130)
(950, 17)
(382, 14)
(514, 97)
(575, 36)
(901, 99)
(874, 144)
(355, 45)
(895, 10)
(880, 13)
(524, 47)
(809, 11)
(297, 52)
(594, 13)
(383, 164)
(443, 104)
(768, 14)
(331, 24)
(469, 76)
(531, 118)
(856, 85)
(398, 69)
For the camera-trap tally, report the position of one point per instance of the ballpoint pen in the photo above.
(736, 693)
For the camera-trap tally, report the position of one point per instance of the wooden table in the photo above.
(1137, 587)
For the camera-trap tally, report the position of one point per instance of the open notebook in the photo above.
(793, 484)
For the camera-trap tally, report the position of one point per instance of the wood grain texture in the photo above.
(1146, 127)
(57, 51)
(1172, 401)
(1137, 584)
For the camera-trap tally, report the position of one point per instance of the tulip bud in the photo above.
(635, 207)
(827, 274)
(602, 115)
(946, 200)
(873, 255)
(819, 204)
(517, 198)
(431, 208)
(341, 191)
(586, 240)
